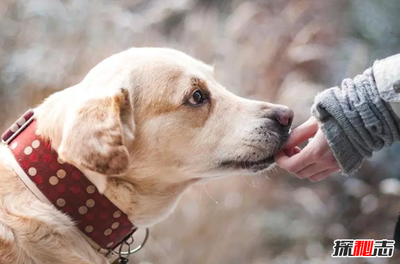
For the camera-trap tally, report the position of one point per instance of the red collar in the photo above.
(65, 186)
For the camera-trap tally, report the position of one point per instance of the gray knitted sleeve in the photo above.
(355, 120)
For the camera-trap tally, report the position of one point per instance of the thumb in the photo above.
(301, 133)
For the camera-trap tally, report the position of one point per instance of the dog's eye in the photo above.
(197, 98)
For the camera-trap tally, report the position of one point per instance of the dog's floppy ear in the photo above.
(95, 134)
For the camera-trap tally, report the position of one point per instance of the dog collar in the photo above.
(63, 185)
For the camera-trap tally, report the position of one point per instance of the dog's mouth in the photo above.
(268, 155)
(255, 166)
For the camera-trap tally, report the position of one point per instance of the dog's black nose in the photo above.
(284, 115)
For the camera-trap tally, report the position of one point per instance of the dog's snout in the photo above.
(284, 115)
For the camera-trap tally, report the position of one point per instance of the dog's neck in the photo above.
(145, 200)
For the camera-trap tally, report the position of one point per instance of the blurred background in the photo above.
(283, 51)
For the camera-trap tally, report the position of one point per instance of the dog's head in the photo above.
(161, 110)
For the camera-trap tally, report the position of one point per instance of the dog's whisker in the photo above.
(252, 179)
(204, 185)
(244, 178)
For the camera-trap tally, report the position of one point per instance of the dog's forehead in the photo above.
(163, 63)
(171, 57)
(164, 67)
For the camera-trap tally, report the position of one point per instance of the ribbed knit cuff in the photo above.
(355, 120)
(348, 158)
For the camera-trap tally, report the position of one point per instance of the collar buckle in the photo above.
(127, 243)
(17, 127)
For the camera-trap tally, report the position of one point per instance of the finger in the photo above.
(308, 171)
(295, 163)
(296, 150)
(301, 133)
(322, 175)
(313, 169)
(292, 151)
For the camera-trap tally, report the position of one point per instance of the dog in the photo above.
(142, 126)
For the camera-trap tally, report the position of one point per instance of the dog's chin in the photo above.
(254, 166)
(250, 165)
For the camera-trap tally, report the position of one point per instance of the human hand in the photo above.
(315, 161)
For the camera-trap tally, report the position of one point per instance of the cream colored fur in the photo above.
(129, 127)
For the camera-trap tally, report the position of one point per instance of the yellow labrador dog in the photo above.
(143, 126)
